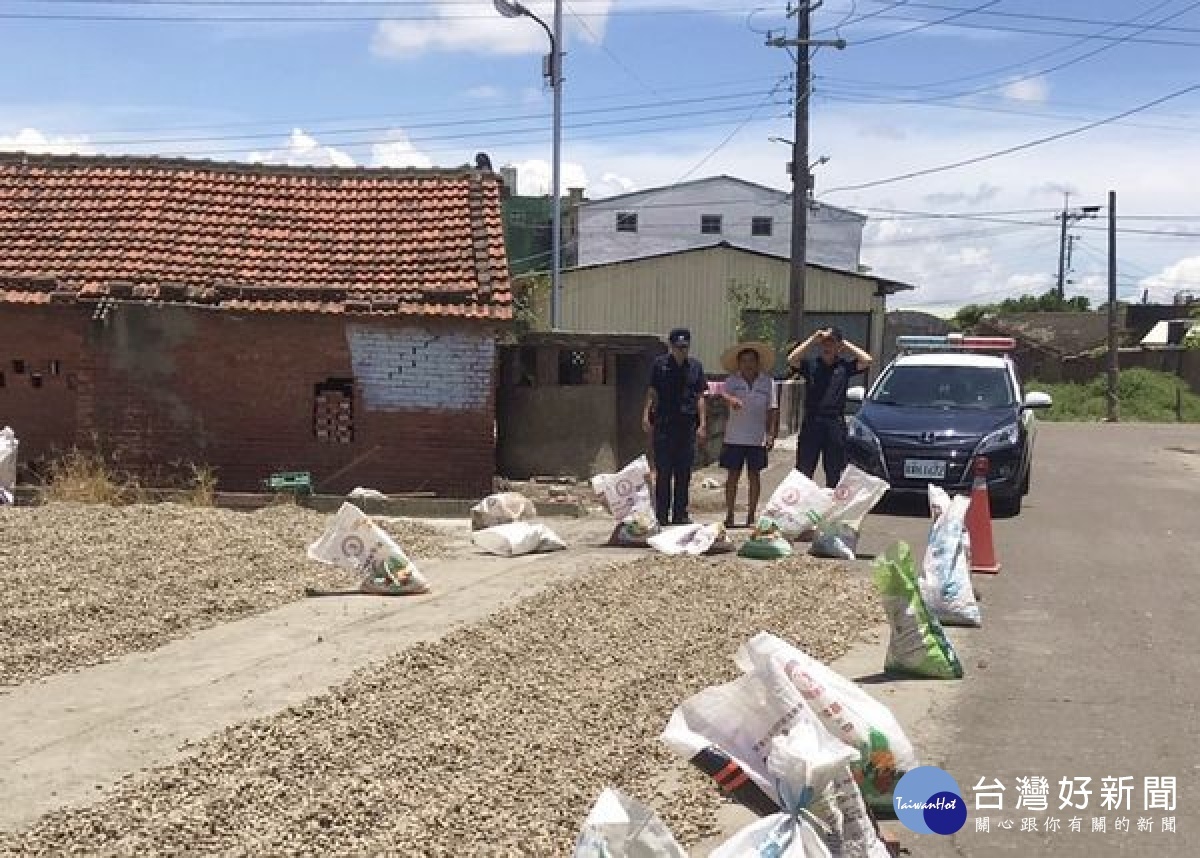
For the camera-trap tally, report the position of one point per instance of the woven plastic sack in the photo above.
(355, 543)
(835, 540)
(766, 542)
(622, 827)
(857, 493)
(8, 463)
(846, 711)
(804, 763)
(693, 539)
(635, 531)
(797, 504)
(627, 492)
(741, 718)
(946, 573)
(519, 537)
(503, 508)
(918, 645)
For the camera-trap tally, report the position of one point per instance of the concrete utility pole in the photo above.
(801, 171)
(1067, 216)
(1113, 344)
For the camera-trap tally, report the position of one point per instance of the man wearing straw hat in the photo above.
(753, 422)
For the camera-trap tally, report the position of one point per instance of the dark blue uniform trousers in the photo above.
(825, 438)
(674, 457)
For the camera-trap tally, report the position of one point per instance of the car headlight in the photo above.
(1008, 436)
(858, 431)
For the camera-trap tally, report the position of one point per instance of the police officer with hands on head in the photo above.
(827, 376)
(676, 416)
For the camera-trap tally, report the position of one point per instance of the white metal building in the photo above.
(705, 212)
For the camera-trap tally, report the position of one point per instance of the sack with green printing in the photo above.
(846, 710)
(742, 717)
(918, 646)
(766, 542)
(355, 543)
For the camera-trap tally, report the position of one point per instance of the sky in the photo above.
(1032, 101)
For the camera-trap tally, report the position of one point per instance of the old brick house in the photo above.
(255, 319)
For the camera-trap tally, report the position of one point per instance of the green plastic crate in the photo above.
(294, 482)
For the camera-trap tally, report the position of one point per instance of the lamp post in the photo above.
(552, 70)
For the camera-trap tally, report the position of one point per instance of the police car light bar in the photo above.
(955, 342)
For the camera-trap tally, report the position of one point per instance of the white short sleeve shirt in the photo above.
(747, 425)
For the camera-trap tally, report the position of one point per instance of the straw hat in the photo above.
(766, 356)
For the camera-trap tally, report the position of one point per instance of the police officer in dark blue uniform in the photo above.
(828, 374)
(676, 416)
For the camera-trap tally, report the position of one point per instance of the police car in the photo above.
(941, 405)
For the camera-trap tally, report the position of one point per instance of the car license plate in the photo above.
(924, 469)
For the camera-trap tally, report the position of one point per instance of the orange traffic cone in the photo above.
(979, 523)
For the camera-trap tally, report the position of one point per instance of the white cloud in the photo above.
(464, 27)
(303, 150)
(1183, 276)
(398, 151)
(33, 140)
(486, 92)
(1033, 89)
(474, 26)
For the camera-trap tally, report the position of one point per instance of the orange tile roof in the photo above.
(252, 237)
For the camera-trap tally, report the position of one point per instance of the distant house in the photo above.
(255, 319)
(695, 288)
(707, 212)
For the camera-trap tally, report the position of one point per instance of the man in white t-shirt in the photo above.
(753, 422)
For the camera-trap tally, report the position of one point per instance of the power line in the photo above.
(1032, 16)
(500, 106)
(456, 123)
(611, 55)
(1022, 64)
(333, 19)
(925, 25)
(1071, 132)
(1029, 31)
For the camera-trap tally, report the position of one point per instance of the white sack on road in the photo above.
(519, 537)
(8, 464)
(622, 827)
(355, 543)
(946, 572)
(503, 508)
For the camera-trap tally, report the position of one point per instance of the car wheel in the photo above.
(1009, 506)
(1025, 482)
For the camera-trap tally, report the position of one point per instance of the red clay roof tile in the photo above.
(251, 237)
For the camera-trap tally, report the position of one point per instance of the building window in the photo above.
(710, 224)
(627, 222)
(762, 226)
(333, 411)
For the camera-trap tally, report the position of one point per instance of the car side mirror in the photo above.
(856, 394)
(1038, 400)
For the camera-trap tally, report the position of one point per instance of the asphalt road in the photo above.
(1087, 664)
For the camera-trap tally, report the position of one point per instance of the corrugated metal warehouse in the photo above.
(694, 289)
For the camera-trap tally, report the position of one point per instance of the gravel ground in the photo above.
(80, 584)
(492, 741)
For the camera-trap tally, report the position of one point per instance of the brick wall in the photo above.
(166, 386)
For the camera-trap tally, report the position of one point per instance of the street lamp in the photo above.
(552, 70)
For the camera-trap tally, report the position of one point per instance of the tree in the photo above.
(1048, 302)
(755, 309)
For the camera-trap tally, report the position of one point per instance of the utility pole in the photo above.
(801, 172)
(1068, 216)
(1113, 361)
